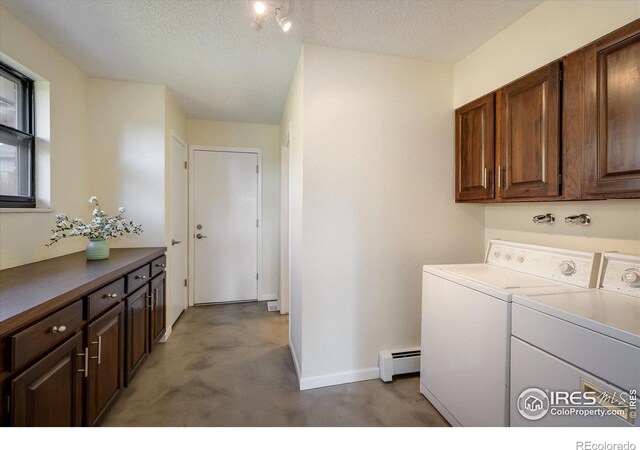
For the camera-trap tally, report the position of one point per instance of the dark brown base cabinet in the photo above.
(105, 378)
(567, 131)
(158, 310)
(49, 393)
(67, 348)
(138, 308)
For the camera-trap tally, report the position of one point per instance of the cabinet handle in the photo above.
(99, 357)
(161, 265)
(110, 295)
(148, 299)
(141, 277)
(60, 329)
(499, 176)
(86, 362)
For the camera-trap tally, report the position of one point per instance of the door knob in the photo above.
(174, 242)
(200, 236)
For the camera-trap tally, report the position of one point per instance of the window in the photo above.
(17, 141)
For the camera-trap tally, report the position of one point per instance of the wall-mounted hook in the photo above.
(580, 219)
(544, 218)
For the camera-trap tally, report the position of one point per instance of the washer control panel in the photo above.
(620, 273)
(567, 266)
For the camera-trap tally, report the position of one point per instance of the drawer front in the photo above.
(158, 265)
(105, 298)
(614, 361)
(38, 338)
(138, 278)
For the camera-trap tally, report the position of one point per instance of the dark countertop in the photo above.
(45, 286)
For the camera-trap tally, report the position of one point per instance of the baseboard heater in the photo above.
(396, 362)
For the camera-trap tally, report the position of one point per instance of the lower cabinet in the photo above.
(105, 380)
(158, 309)
(69, 367)
(49, 393)
(137, 305)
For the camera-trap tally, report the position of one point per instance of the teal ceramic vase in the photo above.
(97, 249)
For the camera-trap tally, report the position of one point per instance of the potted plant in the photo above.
(99, 230)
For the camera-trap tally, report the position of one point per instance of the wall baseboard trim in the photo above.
(167, 333)
(333, 379)
(295, 359)
(268, 297)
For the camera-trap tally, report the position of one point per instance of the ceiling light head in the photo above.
(259, 7)
(283, 21)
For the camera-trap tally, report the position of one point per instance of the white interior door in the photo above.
(225, 226)
(178, 301)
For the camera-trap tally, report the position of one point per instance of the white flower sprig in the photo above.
(100, 227)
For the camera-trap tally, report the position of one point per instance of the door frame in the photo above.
(285, 223)
(174, 135)
(191, 221)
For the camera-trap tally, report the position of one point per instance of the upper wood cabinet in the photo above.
(612, 114)
(528, 135)
(475, 150)
(567, 131)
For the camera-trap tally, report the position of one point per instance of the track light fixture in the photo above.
(283, 21)
(261, 10)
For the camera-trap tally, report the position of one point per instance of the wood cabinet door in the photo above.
(158, 309)
(612, 114)
(137, 332)
(528, 135)
(105, 340)
(475, 150)
(49, 393)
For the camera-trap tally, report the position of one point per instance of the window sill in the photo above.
(26, 210)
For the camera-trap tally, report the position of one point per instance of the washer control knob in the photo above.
(520, 259)
(496, 254)
(507, 257)
(567, 267)
(632, 277)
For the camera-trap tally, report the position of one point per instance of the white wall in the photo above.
(266, 137)
(378, 204)
(23, 235)
(546, 33)
(292, 124)
(127, 148)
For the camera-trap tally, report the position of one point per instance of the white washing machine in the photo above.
(585, 342)
(466, 324)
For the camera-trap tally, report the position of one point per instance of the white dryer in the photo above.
(586, 343)
(466, 324)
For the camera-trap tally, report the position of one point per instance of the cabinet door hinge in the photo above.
(257, 222)
(8, 404)
(185, 283)
(186, 165)
(559, 178)
(257, 276)
(257, 169)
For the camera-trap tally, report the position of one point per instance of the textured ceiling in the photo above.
(218, 68)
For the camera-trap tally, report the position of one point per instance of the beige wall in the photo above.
(127, 148)
(378, 205)
(266, 137)
(292, 127)
(548, 32)
(23, 235)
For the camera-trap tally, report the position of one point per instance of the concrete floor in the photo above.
(229, 365)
